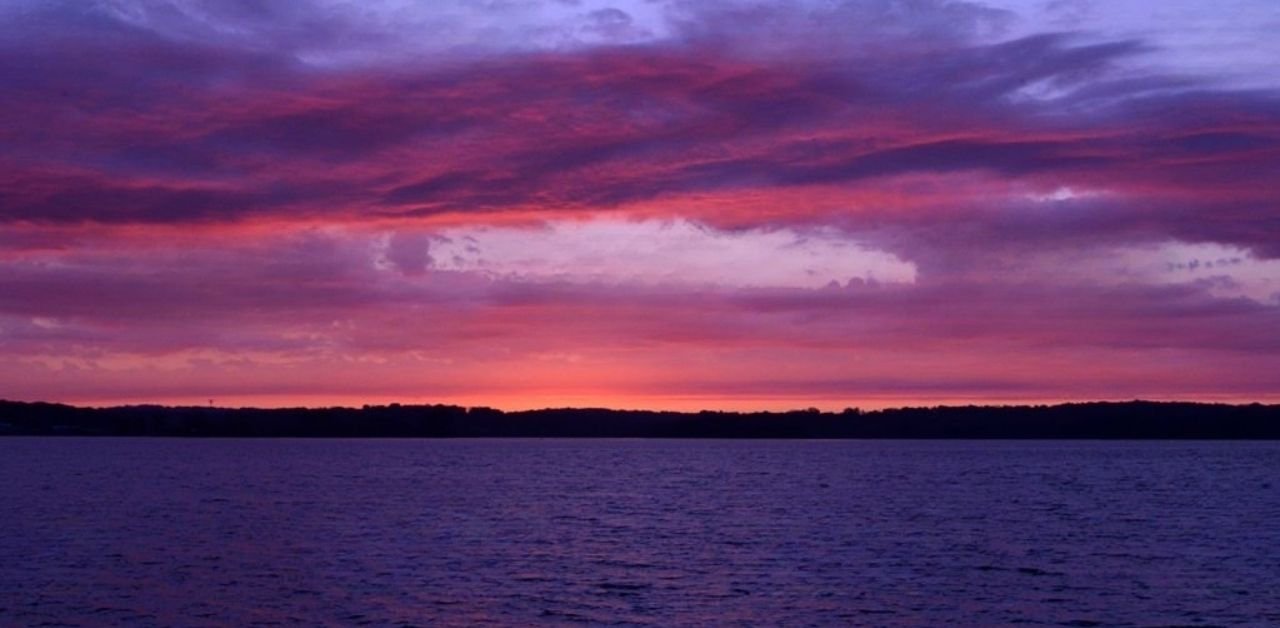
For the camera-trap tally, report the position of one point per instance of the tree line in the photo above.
(1095, 420)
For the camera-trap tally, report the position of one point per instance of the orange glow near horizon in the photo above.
(658, 404)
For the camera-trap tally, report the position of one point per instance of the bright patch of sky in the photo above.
(1062, 193)
(1225, 271)
(653, 252)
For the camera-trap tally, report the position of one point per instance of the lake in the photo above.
(173, 532)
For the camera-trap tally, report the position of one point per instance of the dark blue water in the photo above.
(515, 532)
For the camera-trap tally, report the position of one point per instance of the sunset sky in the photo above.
(738, 204)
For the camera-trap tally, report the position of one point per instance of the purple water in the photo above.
(171, 532)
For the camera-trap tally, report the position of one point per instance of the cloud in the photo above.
(408, 253)
(646, 280)
(59, 199)
(216, 133)
(771, 26)
(679, 252)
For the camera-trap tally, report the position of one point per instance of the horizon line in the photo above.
(810, 409)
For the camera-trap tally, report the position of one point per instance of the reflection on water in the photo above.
(380, 532)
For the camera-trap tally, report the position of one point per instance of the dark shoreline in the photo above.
(1094, 420)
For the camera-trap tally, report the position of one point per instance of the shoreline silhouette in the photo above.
(1087, 420)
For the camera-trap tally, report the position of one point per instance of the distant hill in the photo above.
(1099, 420)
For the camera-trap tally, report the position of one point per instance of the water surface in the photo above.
(645, 532)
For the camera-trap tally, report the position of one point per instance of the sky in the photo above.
(677, 204)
